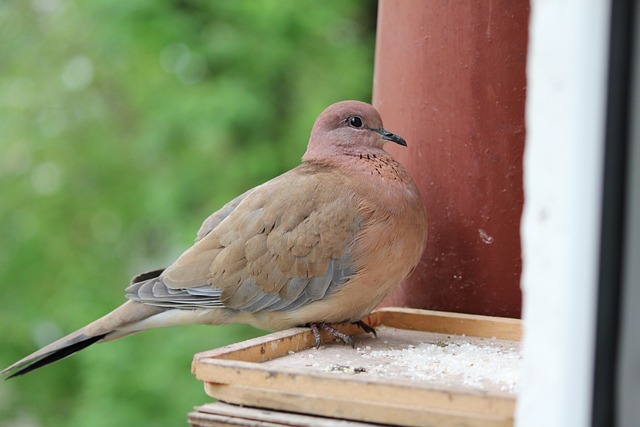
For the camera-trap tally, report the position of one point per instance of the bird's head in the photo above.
(348, 127)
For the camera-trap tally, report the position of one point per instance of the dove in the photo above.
(321, 244)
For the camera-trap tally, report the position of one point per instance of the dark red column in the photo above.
(450, 78)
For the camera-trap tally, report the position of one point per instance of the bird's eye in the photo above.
(355, 122)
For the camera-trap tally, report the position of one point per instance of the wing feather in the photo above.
(277, 247)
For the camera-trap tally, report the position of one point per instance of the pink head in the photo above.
(348, 127)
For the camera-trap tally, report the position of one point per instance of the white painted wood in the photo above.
(565, 116)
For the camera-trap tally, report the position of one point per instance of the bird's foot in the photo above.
(366, 328)
(315, 328)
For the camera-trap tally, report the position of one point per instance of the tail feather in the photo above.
(53, 356)
(121, 322)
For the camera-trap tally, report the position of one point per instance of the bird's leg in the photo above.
(366, 328)
(316, 333)
(333, 331)
(336, 333)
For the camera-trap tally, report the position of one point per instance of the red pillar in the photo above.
(450, 78)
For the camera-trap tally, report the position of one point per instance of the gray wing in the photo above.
(209, 224)
(217, 217)
(280, 246)
(249, 297)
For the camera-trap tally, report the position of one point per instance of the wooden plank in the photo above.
(245, 416)
(280, 343)
(356, 408)
(390, 358)
(200, 419)
(277, 344)
(298, 381)
(246, 374)
(449, 323)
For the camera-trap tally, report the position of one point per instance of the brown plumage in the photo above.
(322, 243)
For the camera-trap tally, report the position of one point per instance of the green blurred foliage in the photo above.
(122, 126)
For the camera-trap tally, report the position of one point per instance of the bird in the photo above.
(321, 244)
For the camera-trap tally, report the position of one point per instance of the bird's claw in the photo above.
(315, 328)
(368, 329)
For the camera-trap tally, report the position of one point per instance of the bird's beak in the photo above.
(391, 136)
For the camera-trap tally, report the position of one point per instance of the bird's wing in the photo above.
(287, 243)
(209, 224)
(216, 218)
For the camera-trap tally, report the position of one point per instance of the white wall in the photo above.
(566, 69)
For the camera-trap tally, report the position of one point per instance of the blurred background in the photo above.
(122, 126)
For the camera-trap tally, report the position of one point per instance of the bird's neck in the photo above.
(375, 173)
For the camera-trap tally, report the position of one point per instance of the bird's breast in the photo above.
(393, 237)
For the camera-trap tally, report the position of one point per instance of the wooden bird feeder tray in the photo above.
(282, 373)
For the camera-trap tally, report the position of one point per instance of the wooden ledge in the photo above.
(284, 372)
